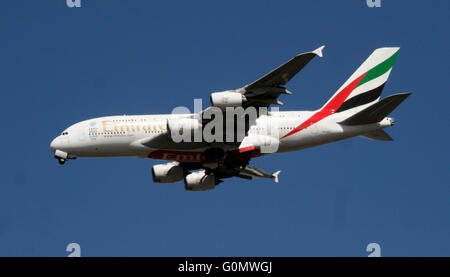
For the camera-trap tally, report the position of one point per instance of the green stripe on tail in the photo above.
(379, 70)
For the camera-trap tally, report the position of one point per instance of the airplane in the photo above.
(355, 109)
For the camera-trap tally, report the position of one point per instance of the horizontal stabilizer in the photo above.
(376, 112)
(378, 135)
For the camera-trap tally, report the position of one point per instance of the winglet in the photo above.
(318, 51)
(275, 176)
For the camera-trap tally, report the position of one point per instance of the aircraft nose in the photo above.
(54, 144)
(58, 143)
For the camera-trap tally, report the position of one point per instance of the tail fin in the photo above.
(376, 112)
(365, 85)
(360, 91)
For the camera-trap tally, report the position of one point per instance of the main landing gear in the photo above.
(213, 154)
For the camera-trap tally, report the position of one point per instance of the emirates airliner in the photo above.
(205, 147)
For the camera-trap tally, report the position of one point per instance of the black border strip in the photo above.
(362, 99)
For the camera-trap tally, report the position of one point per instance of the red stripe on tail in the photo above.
(329, 108)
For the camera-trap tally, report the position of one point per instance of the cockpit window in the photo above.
(64, 133)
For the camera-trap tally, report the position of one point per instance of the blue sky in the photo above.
(61, 65)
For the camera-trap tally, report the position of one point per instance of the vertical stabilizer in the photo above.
(365, 85)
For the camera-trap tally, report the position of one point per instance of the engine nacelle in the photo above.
(198, 181)
(167, 173)
(184, 129)
(226, 99)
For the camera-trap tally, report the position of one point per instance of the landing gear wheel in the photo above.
(61, 161)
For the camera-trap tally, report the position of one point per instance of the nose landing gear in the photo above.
(62, 156)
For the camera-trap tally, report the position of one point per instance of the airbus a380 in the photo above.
(203, 156)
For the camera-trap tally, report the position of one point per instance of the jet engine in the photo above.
(167, 173)
(227, 99)
(184, 129)
(199, 180)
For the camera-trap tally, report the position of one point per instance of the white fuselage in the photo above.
(124, 135)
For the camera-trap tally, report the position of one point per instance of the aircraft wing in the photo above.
(224, 170)
(250, 172)
(265, 91)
